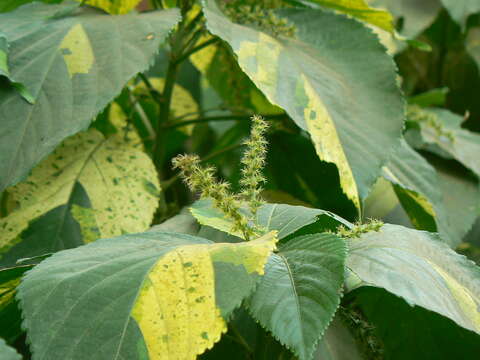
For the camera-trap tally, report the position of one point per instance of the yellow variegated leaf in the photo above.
(114, 6)
(361, 10)
(119, 121)
(329, 88)
(164, 295)
(177, 310)
(89, 187)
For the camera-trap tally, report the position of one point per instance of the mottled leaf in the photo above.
(300, 291)
(335, 81)
(154, 295)
(73, 66)
(90, 187)
(418, 267)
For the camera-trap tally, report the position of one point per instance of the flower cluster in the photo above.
(359, 229)
(202, 180)
(260, 15)
(253, 162)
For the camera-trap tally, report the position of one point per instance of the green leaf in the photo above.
(332, 78)
(419, 190)
(286, 219)
(416, 185)
(418, 267)
(461, 201)
(157, 293)
(337, 343)
(300, 291)
(7, 352)
(461, 10)
(73, 66)
(434, 97)
(408, 332)
(360, 10)
(90, 187)
(442, 133)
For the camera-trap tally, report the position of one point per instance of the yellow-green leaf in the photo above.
(90, 187)
(114, 6)
(333, 78)
(361, 10)
(164, 294)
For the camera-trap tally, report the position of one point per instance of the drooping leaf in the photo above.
(90, 187)
(300, 291)
(73, 66)
(329, 81)
(461, 10)
(422, 195)
(418, 267)
(7, 352)
(361, 10)
(114, 6)
(154, 295)
(337, 343)
(286, 219)
(461, 201)
(408, 332)
(441, 132)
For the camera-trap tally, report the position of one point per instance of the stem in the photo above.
(221, 118)
(187, 54)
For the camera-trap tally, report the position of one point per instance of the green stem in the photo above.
(187, 54)
(165, 110)
(222, 118)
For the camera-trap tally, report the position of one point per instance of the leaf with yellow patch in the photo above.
(418, 267)
(164, 294)
(333, 78)
(360, 10)
(114, 6)
(73, 65)
(90, 187)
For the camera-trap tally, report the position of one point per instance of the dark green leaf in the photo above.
(300, 291)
